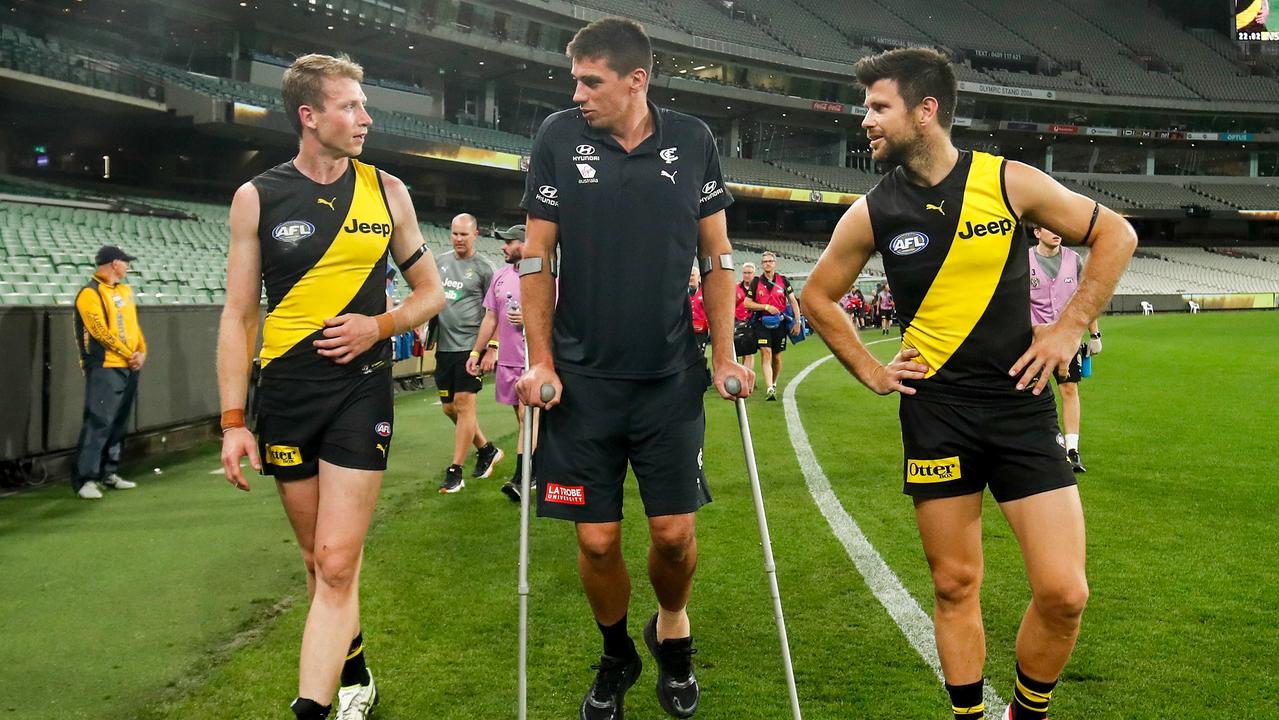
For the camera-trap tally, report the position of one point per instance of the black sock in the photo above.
(519, 468)
(354, 671)
(966, 701)
(617, 642)
(308, 709)
(1030, 697)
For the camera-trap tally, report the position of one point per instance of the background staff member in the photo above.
(621, 343)
(466, 278)
(768, 295)
(112, 353)
(1054, 277)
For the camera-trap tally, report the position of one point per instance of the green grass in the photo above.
(183, 599)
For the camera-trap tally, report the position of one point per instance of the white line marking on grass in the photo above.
(882, 581)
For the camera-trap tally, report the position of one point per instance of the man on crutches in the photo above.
(619, 184)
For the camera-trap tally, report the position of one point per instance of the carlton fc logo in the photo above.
(908, 243)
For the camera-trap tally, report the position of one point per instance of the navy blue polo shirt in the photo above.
(628, 232)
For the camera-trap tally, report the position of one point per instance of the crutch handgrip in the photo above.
(733, 386)
(548, 392)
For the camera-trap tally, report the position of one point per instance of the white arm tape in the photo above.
(707, 264)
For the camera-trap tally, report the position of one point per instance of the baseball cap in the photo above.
(109, 253)
(514, 232)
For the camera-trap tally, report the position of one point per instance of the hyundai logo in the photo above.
(585, 149)
(548, 191)
(708, 188)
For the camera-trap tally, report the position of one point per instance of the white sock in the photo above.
(1072, 441)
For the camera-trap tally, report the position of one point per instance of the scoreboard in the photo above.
(1252, 19)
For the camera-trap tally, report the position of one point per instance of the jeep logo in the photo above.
(356, 226)
(908, 243)
(1002, 226)
(291, 231)
(548, 191)
(585, 149)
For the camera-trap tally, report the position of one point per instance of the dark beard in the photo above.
(901, 154)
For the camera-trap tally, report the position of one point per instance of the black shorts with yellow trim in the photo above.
(951, 450)
(601, 424)
(451, 376)
(346, 422)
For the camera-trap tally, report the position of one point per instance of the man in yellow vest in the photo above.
(112, 352)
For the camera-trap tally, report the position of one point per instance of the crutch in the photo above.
(734, 386)
(526, 470)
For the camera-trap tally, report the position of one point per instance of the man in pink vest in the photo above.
(1054, 275)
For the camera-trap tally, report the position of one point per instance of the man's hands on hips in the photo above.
(529, 386)
(237, 443)
(346, 337)
(1050, 353)
(888, 378)
(722, 371)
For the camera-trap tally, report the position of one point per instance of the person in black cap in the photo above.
(112, 351)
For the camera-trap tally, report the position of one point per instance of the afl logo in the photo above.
(548, 191)
(585, 149)
(383, 429)
(291, 231)
(908, 243)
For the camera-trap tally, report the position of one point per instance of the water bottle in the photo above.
(511, 304)
(1085, 366)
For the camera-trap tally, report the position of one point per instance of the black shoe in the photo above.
(485, 459)
(453, 481)
(604, 701)
(677, 688)
(1073, 457)
(511, 489)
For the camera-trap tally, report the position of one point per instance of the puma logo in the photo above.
(322, 201)
(382, 447)
(938, 207)
(670, 175)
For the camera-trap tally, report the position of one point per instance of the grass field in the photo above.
(183, 599)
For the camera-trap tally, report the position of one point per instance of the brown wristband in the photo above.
(232, 419)
(385, 325)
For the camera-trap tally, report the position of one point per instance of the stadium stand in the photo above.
(836, 178)
(698, 17)
(1162, 195)
(758, 172)
(806, 33)
(1241, 195)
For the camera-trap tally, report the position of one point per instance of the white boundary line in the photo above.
(882, 581)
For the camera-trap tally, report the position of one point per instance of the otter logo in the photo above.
(669, 155)
(291, 231)
(1002, 226)
(933, 471)
(908, 243)
(283, 455)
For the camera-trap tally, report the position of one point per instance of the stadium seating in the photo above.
(758, 172)
(836, 178)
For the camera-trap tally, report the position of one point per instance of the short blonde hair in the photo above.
(304, 82)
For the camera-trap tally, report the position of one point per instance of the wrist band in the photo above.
(232, 419)
(385, 325)
(493, 344)
(474, 354)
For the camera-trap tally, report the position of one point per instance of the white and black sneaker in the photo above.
(453, 480)
(355, 702)
(605, 700)
(771, 394)
(485, 459)
(677, 688)
(89, 491)
(115, 482)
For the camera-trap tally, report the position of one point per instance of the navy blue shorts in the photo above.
(601, 424)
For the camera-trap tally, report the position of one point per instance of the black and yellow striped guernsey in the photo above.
(958, 269)
(324, 253)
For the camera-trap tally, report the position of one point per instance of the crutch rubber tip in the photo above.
(733, 386)
(548, 392)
